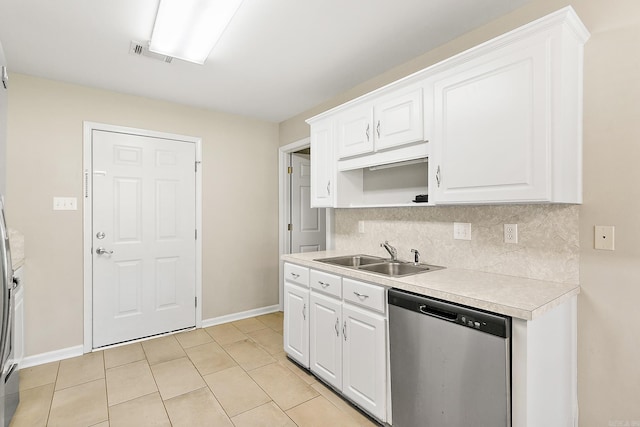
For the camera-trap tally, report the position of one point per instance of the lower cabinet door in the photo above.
(296, 323)
(326, 339)
(364, 360)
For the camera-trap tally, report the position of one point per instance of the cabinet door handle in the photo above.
(359, 295)
(304, 312)
(378, 129)
(438, 176)
(324, 284)
(367, 131)
(295, 276)
(337, 327)
(328, 188)
(344, 330)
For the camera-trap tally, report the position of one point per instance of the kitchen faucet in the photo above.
(392, 251)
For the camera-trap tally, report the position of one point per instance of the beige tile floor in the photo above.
(234, 374)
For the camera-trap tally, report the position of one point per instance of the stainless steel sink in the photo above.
(353, 260)
(398, 269)
(378, 265)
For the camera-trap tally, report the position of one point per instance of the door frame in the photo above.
(284, 210)
(87, 216)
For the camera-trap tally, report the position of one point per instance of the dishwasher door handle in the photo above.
(440, 314)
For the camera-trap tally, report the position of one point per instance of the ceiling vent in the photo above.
(142, 49)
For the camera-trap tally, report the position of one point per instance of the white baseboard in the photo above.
(239, 316)
(52, 356)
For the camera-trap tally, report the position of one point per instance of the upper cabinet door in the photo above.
(492, 130)
(399, 119)
(323, 188)
(355, 131)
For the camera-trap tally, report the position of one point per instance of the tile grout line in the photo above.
(52, 395)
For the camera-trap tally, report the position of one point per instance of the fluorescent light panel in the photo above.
(189, 29)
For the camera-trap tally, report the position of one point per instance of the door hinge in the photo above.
(196, 234)
(289, 227)
(290, 170)
(197, 163)
(196, 301)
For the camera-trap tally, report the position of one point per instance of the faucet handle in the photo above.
(416, 256)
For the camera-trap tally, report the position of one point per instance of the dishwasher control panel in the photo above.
(472, 323)
(484, 321)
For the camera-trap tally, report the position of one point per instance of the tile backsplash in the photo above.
(547, 248)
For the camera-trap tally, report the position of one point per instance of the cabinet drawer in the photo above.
(296, 274)
(364, 294)
(324, 282)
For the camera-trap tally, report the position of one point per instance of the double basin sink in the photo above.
(377, 265)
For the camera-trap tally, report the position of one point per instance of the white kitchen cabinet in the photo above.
(323, 164)
(296, 336)
(355, 130)
(491, 117)
(381, 123)
(508, 125)
(493, 127)
(296, 313)
(326, 338)
(503, 121)
(364, 361)
(348, 347)
(18, 332)
(399, 119)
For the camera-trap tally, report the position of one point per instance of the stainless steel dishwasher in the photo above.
(450, 364)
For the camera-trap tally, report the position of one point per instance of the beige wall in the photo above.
(240, 193)
(608, 331)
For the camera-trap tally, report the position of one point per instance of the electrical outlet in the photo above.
(65, 204)
(604, 237)
(360, 227)
(462, 231)
(511, 233)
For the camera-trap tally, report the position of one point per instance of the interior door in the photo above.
(143, 236)
(308, 225)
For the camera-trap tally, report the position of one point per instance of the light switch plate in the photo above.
(65, 204)
(462, 231)
(604, 237)
(361, 227)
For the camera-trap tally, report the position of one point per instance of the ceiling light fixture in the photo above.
(189, 29)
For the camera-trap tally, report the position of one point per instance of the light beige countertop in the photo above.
(513, 296)
(16, 241)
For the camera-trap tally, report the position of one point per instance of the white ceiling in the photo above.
(276, 59)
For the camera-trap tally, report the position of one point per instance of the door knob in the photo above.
(102, 251)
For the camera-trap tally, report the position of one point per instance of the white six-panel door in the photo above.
(144, 218)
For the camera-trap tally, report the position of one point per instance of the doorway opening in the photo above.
(298, 227)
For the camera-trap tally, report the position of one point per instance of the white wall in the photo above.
(608, 330)
(240, 200)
